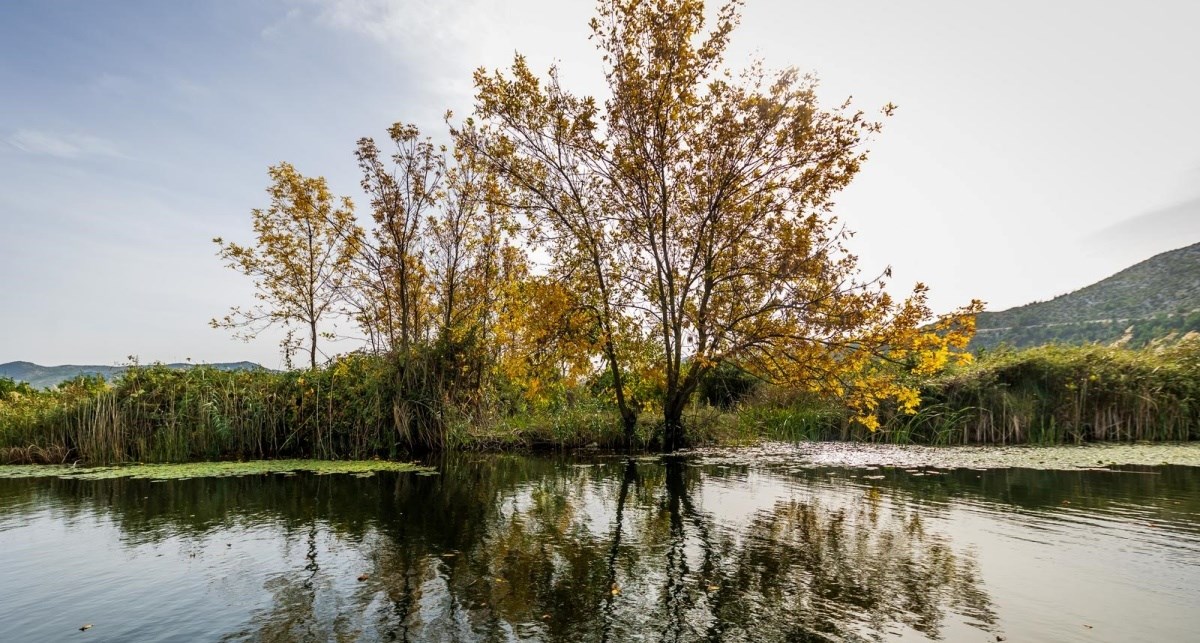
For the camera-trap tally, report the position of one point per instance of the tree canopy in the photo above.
(693, 205)
(681, 222)
(305, 242)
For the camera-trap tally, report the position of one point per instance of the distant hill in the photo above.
(50, 376)
(1156, 299)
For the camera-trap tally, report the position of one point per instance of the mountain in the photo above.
(1156, 299)
(49, 376)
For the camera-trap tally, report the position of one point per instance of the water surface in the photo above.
(722, 547)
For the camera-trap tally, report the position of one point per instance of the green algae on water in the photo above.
(209, 469)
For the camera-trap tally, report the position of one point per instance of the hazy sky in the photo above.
(1038, 146)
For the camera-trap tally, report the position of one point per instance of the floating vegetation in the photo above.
(916, 457)
(361, 468)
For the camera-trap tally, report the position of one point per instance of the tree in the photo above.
(435, 272)
(473, 262)
(395, 310)
(300, 264)
(544, 144)
(697, 207)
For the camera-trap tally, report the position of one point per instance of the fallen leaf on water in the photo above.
(713, 588)
(615, 590)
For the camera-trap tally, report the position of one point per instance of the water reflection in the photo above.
(500, 548)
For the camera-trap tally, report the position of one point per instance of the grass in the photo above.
(364, 407)
(1059, 394)
(359, 408)
(1046, 395)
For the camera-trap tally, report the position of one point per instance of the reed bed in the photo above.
(359, 407)
(369, 406)
(1044, 395)
(1061, 394)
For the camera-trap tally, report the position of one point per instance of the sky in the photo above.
(1038, 146)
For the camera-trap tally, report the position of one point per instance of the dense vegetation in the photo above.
(39, 376)
(364, 406)
(159, 414)
(358, 406)
(1155, 300)
(1056, 394)
(1042, 395)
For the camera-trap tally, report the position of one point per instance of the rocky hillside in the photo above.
(1155, 299)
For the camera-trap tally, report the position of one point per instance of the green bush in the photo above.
(1055, 394)
(364, 406)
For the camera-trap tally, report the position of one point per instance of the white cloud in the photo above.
(394, 22)
(478, 31)
(441, 42)
(61, 145)
(273, 30)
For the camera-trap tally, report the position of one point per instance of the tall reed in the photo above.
(358, 407)
(371, 406)
(1057, 394)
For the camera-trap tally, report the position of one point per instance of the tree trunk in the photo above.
(628, 415)
(674, 437)
(312, 344)
(629, 423)
(679, 393)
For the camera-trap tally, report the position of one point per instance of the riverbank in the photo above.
(914, 459)
(358, 408)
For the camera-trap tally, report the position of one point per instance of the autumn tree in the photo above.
(472, 257)
(698, 203)
(301, 261)
(456, 235)
(403, 187)
(544, 143)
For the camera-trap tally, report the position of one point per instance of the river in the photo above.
(720, 546)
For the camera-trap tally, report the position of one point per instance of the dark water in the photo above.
(500, 548)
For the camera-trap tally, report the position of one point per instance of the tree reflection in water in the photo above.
(625, 552)
(510, 548)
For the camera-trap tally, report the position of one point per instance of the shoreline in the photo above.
(803, 455)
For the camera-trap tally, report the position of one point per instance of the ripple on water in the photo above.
(772, 544)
